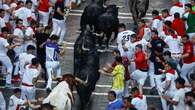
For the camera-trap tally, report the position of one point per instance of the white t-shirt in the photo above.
(14, 102)
(176, 9)
(24, 59)
(158, 25)
(2, 102)
(23, 13)
(3, 45)
(174, 44)
(179, 97)
(140, 104)
(30, 74)
(124, 37)
(2, 23)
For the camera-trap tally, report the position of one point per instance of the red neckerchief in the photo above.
(20, 27)
(138, 95)
(171, 71)
(178, 4)
(157, 17)
(174, 36)
(165, 30)
(59, 1)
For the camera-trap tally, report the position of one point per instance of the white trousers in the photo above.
(27, 93)
(151, 74)
(7, 63)
(139, 76)
(165, 105)
(44, 18)
(59, 29)
(126, 89)
(186, 70)
(51, 66)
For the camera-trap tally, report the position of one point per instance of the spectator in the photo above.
(179, 96)
(114, 103)
(178, 25)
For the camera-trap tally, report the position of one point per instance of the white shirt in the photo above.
(140, 104)
(176, 9)
(23, 13)
(29, 31)
(124, 36)
(2, 102)
(179, 97)
(24, 58)
(2, 23)
(30, 74)
(171, 77)
(158, 25)
(3, 45)
(19, 33)
(14, 102)
(174, 44)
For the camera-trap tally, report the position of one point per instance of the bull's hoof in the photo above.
(48, 90)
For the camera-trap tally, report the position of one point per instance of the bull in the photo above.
(108, 23)
(61, 96)
(91, 14)
(138, 9)
(86, 63)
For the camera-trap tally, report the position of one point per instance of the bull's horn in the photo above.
(120, 7)
(99, 35)
(81, 81)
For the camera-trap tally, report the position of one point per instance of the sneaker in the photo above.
(8, 85)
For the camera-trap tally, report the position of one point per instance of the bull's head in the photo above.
(112, 9)
(73, 81)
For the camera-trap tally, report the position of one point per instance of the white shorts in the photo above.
(139, 76)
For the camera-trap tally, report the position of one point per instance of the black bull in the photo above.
(86, 65)
(138, 8)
